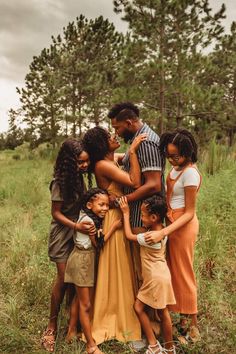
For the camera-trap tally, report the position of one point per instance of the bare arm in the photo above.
(190, 208)
(126, 214)
(116, 225)
(83, 226)
(151, 186)
(118, 157)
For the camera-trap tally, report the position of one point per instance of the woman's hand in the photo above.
(136, 142)
(86, 227)
(154, 236)
(123, 203)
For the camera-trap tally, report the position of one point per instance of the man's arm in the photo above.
(151, 186)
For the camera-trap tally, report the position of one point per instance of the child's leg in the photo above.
(166, 326)
(139, 308)
(84, 313)
(74, 319)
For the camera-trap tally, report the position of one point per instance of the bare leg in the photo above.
(84, 314)
(74, 318)
(139, 308)
(58, 292)
(166, 326)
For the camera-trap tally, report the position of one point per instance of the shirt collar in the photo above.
(138, 132)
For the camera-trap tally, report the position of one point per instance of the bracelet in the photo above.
(74, 228)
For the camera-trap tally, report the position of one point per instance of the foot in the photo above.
(193, 334)
(154, 349)
(71, 336)
(93, 350)
(48, 340)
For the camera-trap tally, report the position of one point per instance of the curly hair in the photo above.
(66, 172)
(91, 195)
(124, 110)
(156, 204)
(183, 140)
(96, 144)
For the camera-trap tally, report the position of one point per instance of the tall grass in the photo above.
(26, 274)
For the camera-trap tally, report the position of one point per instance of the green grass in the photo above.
(26, 274)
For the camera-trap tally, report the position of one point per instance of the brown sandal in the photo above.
(94, 350)
(48, 340)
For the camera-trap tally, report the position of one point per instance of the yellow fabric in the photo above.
(114, 316)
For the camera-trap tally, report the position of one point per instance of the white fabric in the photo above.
(190, 177)
(142, 242)
(82, 240)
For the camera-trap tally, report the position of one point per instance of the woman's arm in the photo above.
(135, 169)
(83, 226)
(118, 157)
(126, 213)
(190, 208)
(111, 172)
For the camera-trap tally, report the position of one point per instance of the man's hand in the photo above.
(86, 227)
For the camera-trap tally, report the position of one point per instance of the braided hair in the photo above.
(66, 172)
(183, 140)
(96, 142)
(156, 204)
(89, 196)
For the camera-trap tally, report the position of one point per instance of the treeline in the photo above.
(176, 62)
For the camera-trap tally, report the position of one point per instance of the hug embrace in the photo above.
(124, 250)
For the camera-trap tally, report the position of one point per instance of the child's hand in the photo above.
(117, 224)
(124, 205)
(137, 141)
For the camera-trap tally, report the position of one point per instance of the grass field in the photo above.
(26, 274)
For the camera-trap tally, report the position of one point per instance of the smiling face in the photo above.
(83, 161)
(174, 157)
(123, 129)
(99, 205)
(113, 142)
(147, 218)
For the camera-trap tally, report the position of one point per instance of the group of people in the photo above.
(109, 243)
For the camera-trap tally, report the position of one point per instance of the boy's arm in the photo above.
(126, 213)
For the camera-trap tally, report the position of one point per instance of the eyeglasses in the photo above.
(172, 157)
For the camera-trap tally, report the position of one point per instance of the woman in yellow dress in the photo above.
(114, 316)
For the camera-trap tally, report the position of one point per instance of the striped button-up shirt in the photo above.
(150, 159)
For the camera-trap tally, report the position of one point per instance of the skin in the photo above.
(152, 179)
(153, 222)
(107, 171)
(82, 303)
(59, 287)
(178, 162)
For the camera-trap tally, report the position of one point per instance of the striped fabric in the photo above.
(150, 160)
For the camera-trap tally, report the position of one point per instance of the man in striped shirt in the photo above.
(127, 124)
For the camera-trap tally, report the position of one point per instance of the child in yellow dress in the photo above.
(156, 290)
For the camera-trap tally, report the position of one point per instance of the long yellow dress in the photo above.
(114, 316)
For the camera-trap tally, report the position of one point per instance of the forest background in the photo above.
(178, 64)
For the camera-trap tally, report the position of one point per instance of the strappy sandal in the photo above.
(154, 349)
(94, 350)
(48, 340)
(166, 351)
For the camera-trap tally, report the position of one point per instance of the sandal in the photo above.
(154, 349)
(193, 334)
(166, 351)
(48, 340)
(94, 350)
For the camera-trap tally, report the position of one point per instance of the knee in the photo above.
(85, 307)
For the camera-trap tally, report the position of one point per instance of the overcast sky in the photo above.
(26, 27)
